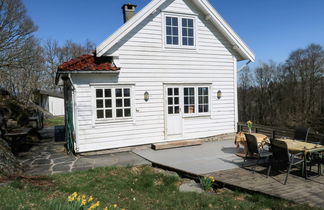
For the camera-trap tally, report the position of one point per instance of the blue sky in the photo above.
(271, 28)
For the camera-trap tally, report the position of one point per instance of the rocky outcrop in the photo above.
(9, 165)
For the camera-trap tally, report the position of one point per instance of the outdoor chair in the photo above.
(301, 134)
(282, 159)
(254, 150)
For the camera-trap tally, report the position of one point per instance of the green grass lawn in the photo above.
(129, 188)
(53, 121)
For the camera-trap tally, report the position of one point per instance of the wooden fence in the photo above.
(275, 132)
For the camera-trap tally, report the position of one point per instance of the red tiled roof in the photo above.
(88, 63)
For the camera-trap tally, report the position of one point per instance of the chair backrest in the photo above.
(280, 151)
(301, 134)
(252, 143)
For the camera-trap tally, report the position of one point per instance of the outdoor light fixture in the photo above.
(146, 96)
(219, 94)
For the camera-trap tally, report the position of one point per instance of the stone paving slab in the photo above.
(49, 157)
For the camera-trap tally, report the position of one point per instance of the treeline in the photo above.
(290, 94)
(26, 64)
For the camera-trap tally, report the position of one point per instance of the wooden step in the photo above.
(174, 144)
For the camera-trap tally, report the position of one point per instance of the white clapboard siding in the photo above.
(147, 65)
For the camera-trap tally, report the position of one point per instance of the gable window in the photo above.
(196, 100)
(187, 32)
(113, 103)
(172, 32)
(179, 31)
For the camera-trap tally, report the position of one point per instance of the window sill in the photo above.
(106, 121)
(179, 47)
(196, 115)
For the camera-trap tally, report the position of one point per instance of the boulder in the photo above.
(9, 165)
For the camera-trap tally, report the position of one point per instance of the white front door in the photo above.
(173, 112)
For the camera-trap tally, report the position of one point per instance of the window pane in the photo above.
(108, 103)
(99, 93)
(168, 20)
(184, 41)
(199, 91)
(175, 40)
(190, 32)
(191, 91)
(175, 31)
(190, 22)
(176, 91)
(168, 30)
(99, 103)
(175, 21)
(186, 91)
(186, 109)
(176, 100)
(186, 100)
(100, 114)
(200, 99)
(190, 42)
(191, 109)
(170, 101)
(127, 102)
(119, 102)
(107, 92)
(170, 109)
(192, 100)
(176, 109)
(184, 32)
(126, 92)
(108, 113)
(127, 112)
(205, 99)
(119, 112)
(169, 40)
(205, 91)
(118, 92)
(200, 108)
(170, 92)
(205, 108)
(184, 22)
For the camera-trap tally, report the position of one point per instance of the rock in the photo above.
(9, 165)
(191, 186)
(166, 172)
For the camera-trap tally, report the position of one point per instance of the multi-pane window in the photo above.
(179, 31)
(172, 32)
(196, 100)
(113, 103)
(187, 32)
(189, 99)
(173, 101)
(203, 99)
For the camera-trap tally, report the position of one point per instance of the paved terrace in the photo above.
(217, 159)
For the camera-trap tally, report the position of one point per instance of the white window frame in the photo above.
(197, 113)
(114, 108)
(180, 17)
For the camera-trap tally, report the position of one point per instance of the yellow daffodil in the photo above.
(115, 205)
(79, 198)
(97, 204)
(106, 208)
(75, 194)
(84, 202)
(90, 199)
(84, 196)
(70, 198)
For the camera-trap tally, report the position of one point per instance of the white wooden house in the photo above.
(169, 73)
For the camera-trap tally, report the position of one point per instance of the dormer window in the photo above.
(179, 31)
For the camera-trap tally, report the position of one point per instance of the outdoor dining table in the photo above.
(240, 138)
(295, 146)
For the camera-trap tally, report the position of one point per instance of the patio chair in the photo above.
(281, 158)
(255, 150)
(301, 134)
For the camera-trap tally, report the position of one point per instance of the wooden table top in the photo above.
(296, 146)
